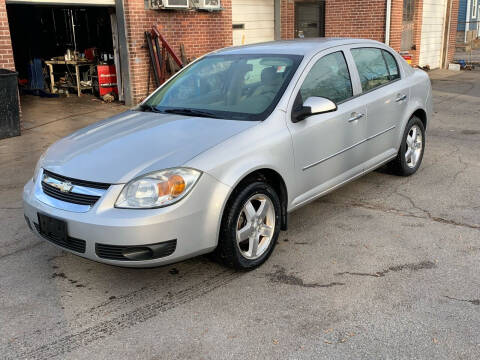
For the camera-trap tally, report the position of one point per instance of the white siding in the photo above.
(433, 27)
(258, 18)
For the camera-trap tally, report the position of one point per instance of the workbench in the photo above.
(77, 64)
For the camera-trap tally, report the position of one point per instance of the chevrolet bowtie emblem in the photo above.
(64, 187)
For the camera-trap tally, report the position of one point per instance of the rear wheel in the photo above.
(410, 154)
(250, 226)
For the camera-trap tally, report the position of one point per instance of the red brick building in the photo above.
(6, 52)
(404, 24)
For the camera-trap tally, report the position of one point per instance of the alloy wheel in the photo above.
(255, 226)
(414, 146)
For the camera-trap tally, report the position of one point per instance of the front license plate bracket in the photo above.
(52, 227)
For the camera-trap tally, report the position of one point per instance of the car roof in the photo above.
(303, 47)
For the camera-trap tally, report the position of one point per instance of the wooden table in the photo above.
(76, 63)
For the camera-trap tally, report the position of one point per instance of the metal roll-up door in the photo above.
(253, 21)
(433, 28)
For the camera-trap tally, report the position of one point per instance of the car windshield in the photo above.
(243, 87)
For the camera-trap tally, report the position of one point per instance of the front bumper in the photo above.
(193, 222)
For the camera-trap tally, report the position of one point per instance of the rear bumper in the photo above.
(193, 222)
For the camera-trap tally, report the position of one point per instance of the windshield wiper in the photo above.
(191, 112)
(149, 108)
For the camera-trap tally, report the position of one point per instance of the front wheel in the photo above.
(250, 226)
(410, 154)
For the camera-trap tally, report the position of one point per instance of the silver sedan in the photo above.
(216, 158)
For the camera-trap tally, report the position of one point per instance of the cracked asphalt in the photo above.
(383, 268)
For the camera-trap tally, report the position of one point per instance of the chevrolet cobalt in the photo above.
(217, 157)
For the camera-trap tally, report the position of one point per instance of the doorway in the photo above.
(63, 50)
(407, 42)
(309, 19)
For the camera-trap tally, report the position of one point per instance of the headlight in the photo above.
(158, 189)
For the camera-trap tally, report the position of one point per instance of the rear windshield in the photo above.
(243, 87)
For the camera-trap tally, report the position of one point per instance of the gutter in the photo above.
(388, 17)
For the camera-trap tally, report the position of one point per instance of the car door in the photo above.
(328, 148)
(386, 95)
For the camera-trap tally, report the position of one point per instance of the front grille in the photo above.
(116, 252)
(69, 197)
(70, 243)
(90, 184)
(72, 197)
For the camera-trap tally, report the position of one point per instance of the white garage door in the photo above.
(253, 21)
(433, 22)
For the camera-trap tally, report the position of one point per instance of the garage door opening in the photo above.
(64, 51)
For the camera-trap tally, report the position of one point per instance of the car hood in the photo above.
(133, 143)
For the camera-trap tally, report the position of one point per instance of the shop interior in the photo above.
(64, 51)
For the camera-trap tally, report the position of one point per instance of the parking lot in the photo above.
(385, 267)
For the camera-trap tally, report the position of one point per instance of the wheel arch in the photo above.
(422, 115)
(274, 179)
(417, 111)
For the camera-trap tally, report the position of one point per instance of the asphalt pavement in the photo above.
(384, 268)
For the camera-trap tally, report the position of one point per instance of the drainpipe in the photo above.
(446, 40)
(278, 20)
(123, 51)
(388, 21)
(467, 19)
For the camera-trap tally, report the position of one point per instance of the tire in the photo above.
(407, 164)
(260, 222)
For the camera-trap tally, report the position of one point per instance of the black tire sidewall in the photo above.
(406, 170)
(230, 252)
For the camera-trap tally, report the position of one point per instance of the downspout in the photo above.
(447, 33)
(467, 20)
(123, 51)
(278, 20)
(388, 17)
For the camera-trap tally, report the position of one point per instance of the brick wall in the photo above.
(366, 19)
(355, 18)
(6, 53)
(453, 31)
(287, 15)
(200, 32)
(396, 23)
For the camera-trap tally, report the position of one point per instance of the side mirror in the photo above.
(313, 106)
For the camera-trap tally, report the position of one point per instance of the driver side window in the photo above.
(328, 78)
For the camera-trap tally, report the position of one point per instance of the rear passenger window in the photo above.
(391, 65)
(328, 78)
(376, 67)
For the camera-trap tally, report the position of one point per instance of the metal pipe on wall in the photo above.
(446, 36)
(388, 17)
(467, 19)
(123, 51)
(278, 19)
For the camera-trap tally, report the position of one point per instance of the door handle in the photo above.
(355, 117)
(400, 97)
